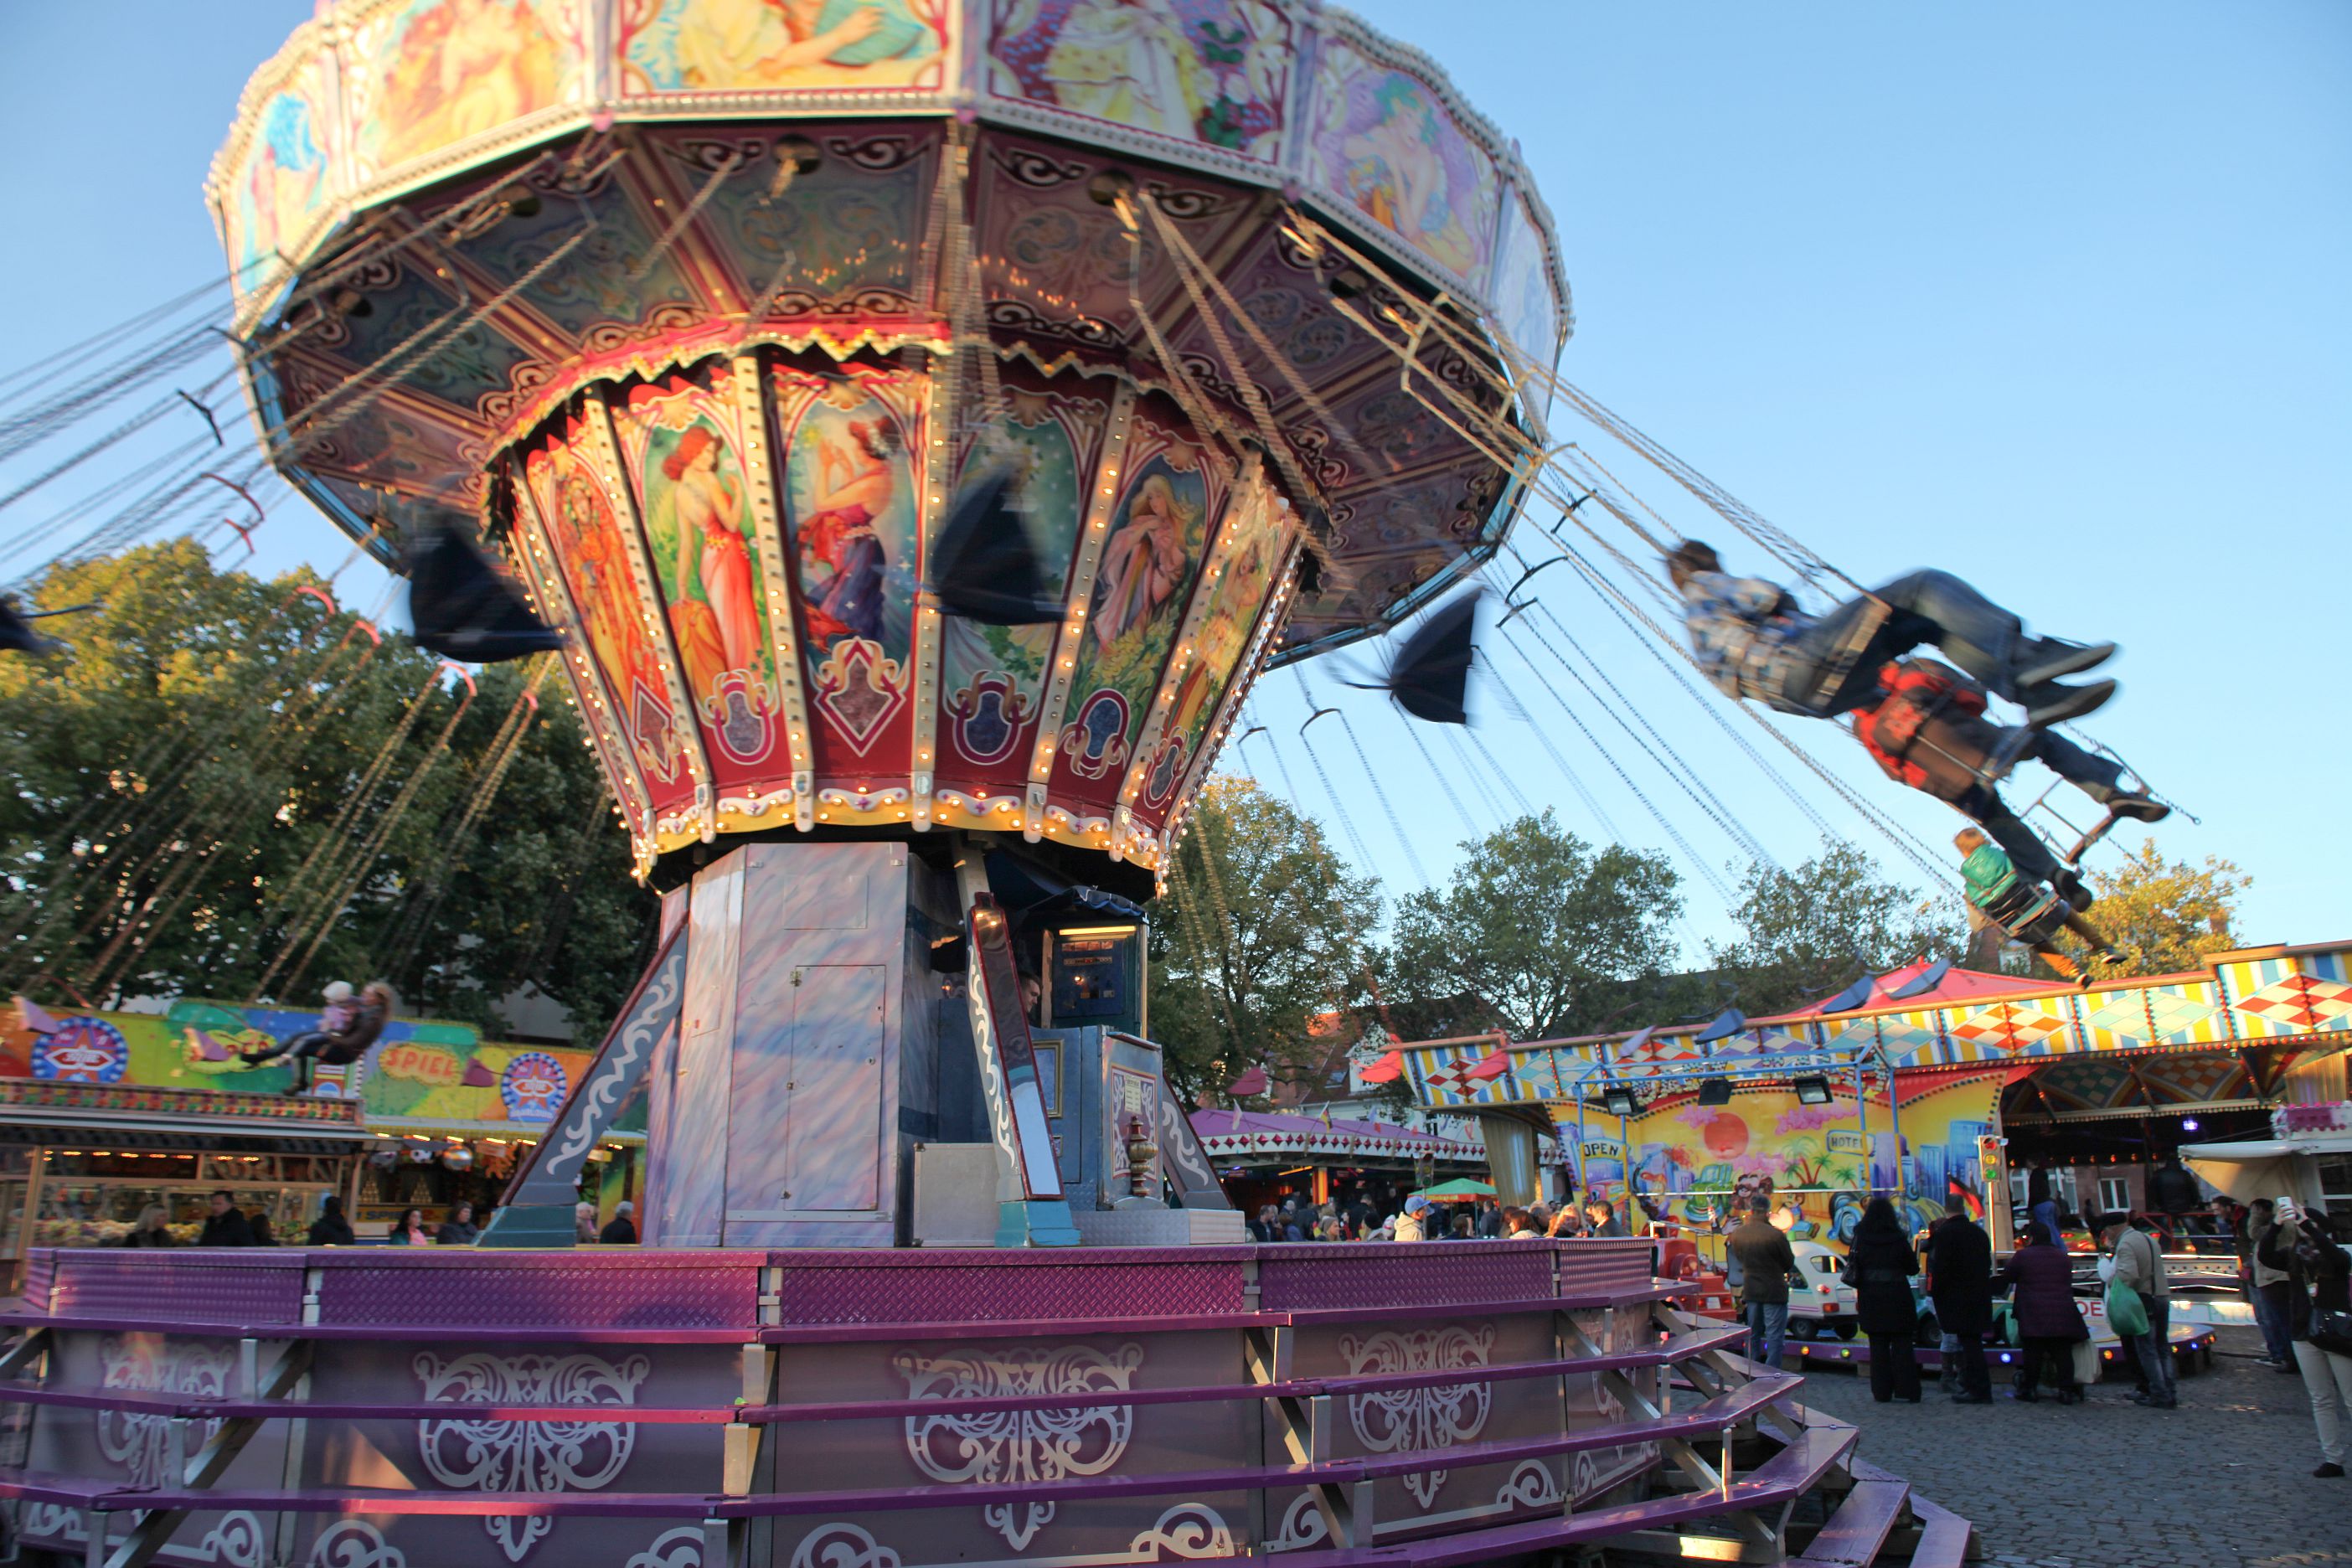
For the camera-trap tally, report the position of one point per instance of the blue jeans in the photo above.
(2154, 1347)
(1936, 607)
(1768, 1327)
(2270, 1317)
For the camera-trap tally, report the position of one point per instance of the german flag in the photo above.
(1955, 1187)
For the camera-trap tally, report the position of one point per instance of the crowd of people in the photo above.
(1422, 1219)
(225, 1225)
(2296, 1266)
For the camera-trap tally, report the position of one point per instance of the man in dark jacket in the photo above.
(1767, 1262)
(225, 1226)
(1959, 1281)
(623, 1231)
(2172, 1190)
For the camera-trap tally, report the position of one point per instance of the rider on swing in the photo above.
(345, 1033)
(1926, 729)
(2021, 908)
(1752, 641)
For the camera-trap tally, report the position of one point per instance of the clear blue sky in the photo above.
(2050, 296)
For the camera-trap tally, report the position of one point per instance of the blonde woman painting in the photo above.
(1144, 560)
(715, 611)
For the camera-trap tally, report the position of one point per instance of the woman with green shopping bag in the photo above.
(2139, 1306)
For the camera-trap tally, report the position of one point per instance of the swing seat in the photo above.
(1827, 694)
(2003, 760)
(2097, 831)
(2030, 913)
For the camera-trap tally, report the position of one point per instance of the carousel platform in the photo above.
(1335, 1404)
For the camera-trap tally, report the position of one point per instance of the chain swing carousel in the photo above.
(918, 423)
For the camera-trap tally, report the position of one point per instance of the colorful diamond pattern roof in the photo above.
(2301, 1002)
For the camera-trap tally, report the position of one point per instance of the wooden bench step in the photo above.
(1789, 1474)
(1859, 1528)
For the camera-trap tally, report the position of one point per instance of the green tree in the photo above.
(224, 769)
(2164, 916)
(1538, 933)
(1808, 929)
(1262, 930)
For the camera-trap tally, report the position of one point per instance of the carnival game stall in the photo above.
(1925, 1083)
(1263, 1157)
(105, 1114)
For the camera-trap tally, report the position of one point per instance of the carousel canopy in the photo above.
(707, 311)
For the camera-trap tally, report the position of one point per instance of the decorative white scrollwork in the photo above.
(586, 1120)
(1185, 1533)
(235, 1541)
(1181, 1147)
(353, 1543)
(680, 1548)
(144, 1363)
(527, 1456)
(1019, 1445)
(53, 1522)
(1302, 1525)
(1532, 1485)
(1404, 1420)
(840, 1546)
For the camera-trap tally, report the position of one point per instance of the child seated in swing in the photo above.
(2021, 908)
(348, 1025)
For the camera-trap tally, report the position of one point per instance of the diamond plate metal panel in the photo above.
(1407, 1276)
(502, 1291)
(984, 1286)
(195, 1287)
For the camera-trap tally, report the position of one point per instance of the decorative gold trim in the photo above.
(939, 423)
(599, 420)
(598, 714)
(1079, 594)
(751, 407)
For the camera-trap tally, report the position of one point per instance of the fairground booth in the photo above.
(105, 1114)
(1927, 1082)
(1263, 1157)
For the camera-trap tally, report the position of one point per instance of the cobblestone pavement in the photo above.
(2223, 1482)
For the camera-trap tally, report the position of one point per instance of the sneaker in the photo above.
(2140, 807)
(2328, 1472)
(2049, 705)
(2050, 658)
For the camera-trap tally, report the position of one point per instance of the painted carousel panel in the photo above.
(681, 440)
(689, 48)
(1211, 73)
(852, 505)
(1175, 487)
(1387, 145)
(435, 76)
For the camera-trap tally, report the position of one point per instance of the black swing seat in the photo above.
(2097, 831)
(2029, 912)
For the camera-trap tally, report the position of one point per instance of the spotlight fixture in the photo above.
(1714, 1091)
(1620, 1101)
(1813, 1090)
